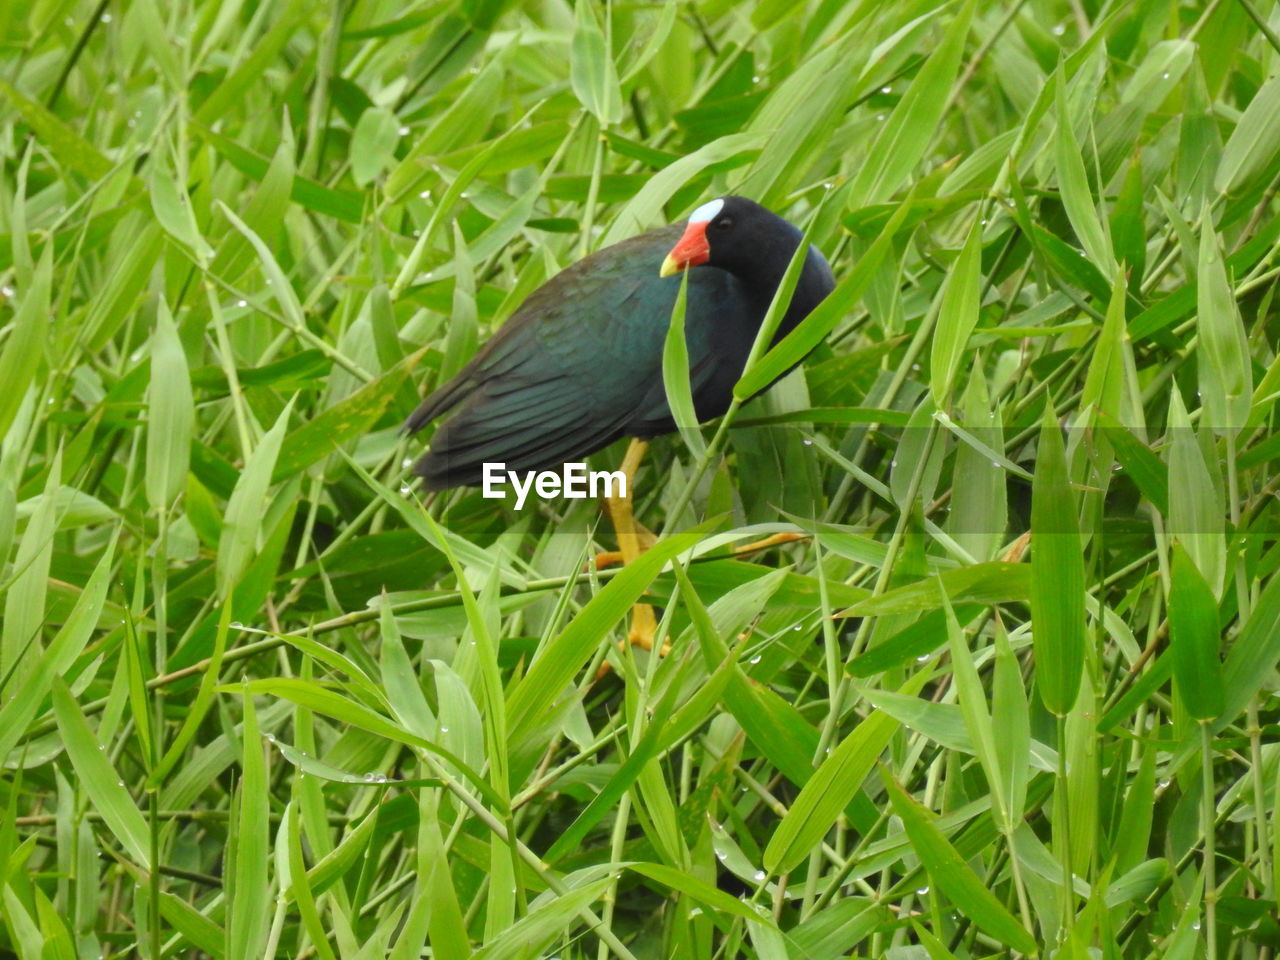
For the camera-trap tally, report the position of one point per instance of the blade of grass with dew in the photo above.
(832, 786)
(906, 134)
(331, 704)
(1073, 186)
(101, 783)
(949, 872)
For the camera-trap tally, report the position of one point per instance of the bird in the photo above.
(578, 366)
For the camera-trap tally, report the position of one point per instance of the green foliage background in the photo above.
(1014, 694)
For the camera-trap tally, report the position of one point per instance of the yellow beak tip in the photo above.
(670, 267)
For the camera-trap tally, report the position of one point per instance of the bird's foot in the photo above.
(611, 558)
(643, 634)
(644, 628)
(774, 541)
(605, 558)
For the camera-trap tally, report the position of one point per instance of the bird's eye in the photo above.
(724, 223)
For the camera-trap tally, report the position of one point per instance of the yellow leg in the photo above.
(610, 558)
(776, 540)
(633, 540)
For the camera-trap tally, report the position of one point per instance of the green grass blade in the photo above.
(957, 316)
(101, 783)
(832, 787)
(949, 872)
(248, 895)
(1057, 575)
(1193, 637)
(170, 414)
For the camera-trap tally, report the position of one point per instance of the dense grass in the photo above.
(1014, 693)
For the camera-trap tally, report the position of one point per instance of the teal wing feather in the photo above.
(574, 368)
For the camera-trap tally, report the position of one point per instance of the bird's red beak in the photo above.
(691, 250)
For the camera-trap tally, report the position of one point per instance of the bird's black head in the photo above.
(734, 234)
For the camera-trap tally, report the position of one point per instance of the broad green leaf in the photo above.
(448, 932)
(342, 423)
(281, 289)
(26, 594)
(24, 344)
(262, 53)
(1158, 73)
(555, 666)
(986, 583)
(264, 213)
(1195, 498)
(1011, 717)
(400, 679)
(199, 707)
(592, 73)
(1254, 654)
(657, 37)
(675, 375)
(666, 727)
(317, 698)
(979, 497)
(832, 787)
(1226, 374)
(893, 155)
(135, 246)
(300, 882)
(170, 414)
(172, 207)
(345, 205)
(1057, 575)
(972, 699)
(1194, 637)
(646, 206)
(774, 725)
(22, 701)
(957, 316)
(242, 523)
(693, 887)
(1073, 185)
(545, 921)
(464, 121)
(250, 845)
(802, 114)
(949, 872)
(100, 782)
(373, 144)
(67, 146)
(917, 462)
(1254, 143)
